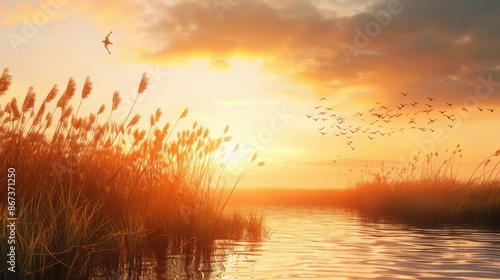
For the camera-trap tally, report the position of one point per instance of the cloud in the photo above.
(428, 46)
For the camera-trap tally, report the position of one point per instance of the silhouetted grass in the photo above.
(427, 192)
(95, 192)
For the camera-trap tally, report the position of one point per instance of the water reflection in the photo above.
(336, 244)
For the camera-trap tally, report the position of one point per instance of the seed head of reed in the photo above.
(254, 157)
(101, 110)
(39, 115)
(87, 88)
(15, 110)
(116, 101)
(52, 94)
(143, 85)
(68, 94)
(152, 120)
(184, 114)
(134, 120)
(48, 119)
(5, 81)
(29, 100)
(158, 115)
(497, 153)
(67, 113)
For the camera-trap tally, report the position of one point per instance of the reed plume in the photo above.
(5, 81)
(52, 94)
(67, 95)
(134, 120)
(184, 114)
(101, 110)
(87, 88)
(15, 109)
(143, 85)
(116, 101)
(29, 100)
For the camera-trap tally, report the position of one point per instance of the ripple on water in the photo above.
(335, 244)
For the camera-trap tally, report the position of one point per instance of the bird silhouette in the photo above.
(107, 42)
(491, 110)
(322, 98)
(431, 98)
(404, 94)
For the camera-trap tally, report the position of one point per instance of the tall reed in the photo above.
(93, 195)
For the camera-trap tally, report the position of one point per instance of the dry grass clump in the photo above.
(94, 192)
(428, 191)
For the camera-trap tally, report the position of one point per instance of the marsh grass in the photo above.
(429, 190)
(93, 193)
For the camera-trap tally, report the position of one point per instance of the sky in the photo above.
(383, 73)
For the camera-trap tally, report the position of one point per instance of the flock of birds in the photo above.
(385, 120)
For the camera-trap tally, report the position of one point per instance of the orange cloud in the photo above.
(421, 49)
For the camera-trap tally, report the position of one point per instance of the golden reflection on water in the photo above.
(336, 244)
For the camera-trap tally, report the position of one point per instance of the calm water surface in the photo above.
(335, 244)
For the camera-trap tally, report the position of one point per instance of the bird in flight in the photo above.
(491, 110)
(107, 42)
(322, 98)
(431, 98)
(404, 94)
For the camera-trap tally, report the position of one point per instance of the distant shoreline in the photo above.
(417, 202)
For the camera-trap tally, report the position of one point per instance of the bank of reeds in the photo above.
(94, 192)
(429, 190)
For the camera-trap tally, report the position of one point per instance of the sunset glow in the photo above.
(249, 139)
(263, 66)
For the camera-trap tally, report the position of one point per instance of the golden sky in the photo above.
(262, 66)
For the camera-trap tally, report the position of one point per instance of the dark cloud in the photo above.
(439, 46)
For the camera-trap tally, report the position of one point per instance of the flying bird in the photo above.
(431, 98)
(404, 94)
(322, 98)
(491, 110)
(107, 42)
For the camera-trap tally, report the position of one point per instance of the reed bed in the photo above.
(94, 192)
(429, 190)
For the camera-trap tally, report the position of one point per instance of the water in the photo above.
(335, 244)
